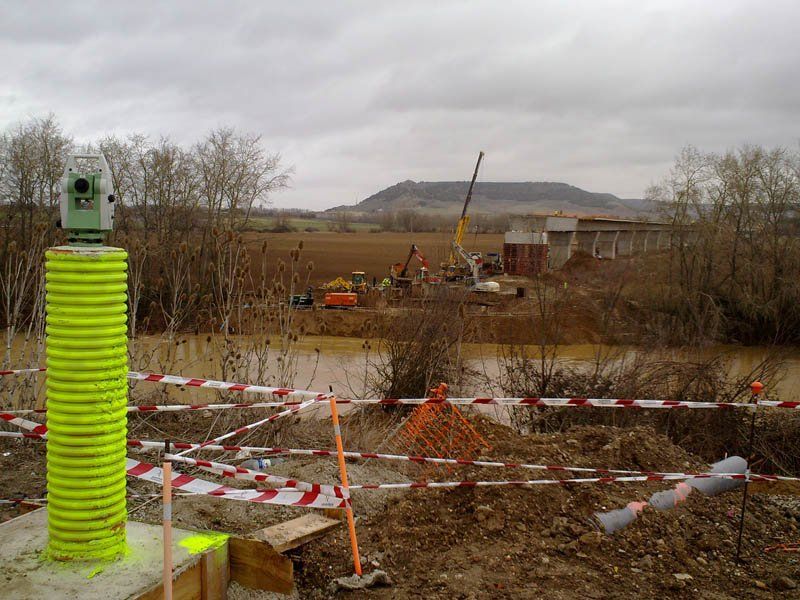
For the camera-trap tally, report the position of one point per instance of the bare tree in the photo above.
(236, 174)
(734, 244)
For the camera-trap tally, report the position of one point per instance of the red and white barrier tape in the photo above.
(278, 392)
(595, 402)
(9, 417)
(23, 423)
(557, 402)
(242, 473)
(450, 461)
(285, 497)
(178, 407)
(26, 435)
(572, 402)
(281, 392)
(22, 371)
(291, 411)
(532, 482)
(397, 457)
(549, 402)
(257, 476)
(129, 497)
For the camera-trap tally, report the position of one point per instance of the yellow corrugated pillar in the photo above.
(87, 363)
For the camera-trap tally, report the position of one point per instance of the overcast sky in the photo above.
(358, 96)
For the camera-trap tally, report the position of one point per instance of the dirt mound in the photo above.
(504, 542)
(529, 543)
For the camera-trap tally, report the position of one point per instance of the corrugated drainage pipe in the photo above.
(87, 363)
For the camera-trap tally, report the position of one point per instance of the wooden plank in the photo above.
(215, 573)
(294, 533)
(26, 507)
(255, 565)
(337, 514)
(186, 585)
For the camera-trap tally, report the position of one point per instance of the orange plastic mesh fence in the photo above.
(440, 430)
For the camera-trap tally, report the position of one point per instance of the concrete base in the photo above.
(26, 575)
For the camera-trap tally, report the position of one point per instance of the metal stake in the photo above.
(756, 388)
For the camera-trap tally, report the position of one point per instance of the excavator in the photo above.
(399, 271)
(474, 260)
(414, 252)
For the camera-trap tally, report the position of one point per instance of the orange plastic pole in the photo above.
(351, 524)
(167, 500)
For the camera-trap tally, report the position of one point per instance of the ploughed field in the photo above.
(338, 254)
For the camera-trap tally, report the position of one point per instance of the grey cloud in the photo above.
(360, 95)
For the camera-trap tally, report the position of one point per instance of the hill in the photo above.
(491, 197)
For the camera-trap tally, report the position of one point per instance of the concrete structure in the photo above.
(599, 236)
(137, 575)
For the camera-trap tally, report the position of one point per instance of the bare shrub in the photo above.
(417, 349)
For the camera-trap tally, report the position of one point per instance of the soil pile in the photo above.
(506, 542)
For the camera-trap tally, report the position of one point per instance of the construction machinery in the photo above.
(341, 300)
(399, 273)
(474, 271)
(475, 262)
(414, 252)
(302, 301)
(493, 264)
(463, 222)
(357, 283)
(340, 284)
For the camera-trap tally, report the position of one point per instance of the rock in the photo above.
(591, 538)
(354, 582)
(784, 584)
(677, 585)
(482, 512)
(760, 584)
(492, 520)
(708, 542)
(645, 563)
(559, 525)
(568, 547)
(682, 576)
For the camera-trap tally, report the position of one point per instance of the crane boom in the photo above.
(463, 222)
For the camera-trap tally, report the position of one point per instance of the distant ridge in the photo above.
(496, 197)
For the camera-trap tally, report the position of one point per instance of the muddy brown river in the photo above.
(318, 362)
